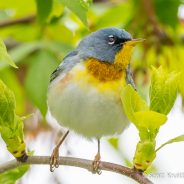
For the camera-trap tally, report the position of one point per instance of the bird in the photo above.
(84, 90)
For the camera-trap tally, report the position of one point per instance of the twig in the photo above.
(82, 163)
(23, 20)
(148, 7)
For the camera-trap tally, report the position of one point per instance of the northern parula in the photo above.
(84, 92)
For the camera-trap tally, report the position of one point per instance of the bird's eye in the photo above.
(111, 39)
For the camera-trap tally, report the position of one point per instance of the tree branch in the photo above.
(23, 20)
(82, 163)
(149, 9)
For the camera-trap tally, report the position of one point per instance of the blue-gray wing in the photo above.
(129, 77)
(68, 62)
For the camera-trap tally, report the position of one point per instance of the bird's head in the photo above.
(108, 45)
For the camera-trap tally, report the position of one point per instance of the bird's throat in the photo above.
(123, 57)
(105, 71)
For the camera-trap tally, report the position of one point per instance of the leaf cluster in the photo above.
(148, 119)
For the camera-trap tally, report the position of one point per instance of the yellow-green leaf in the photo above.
(7, 106)
(132, 102)
(11, 125)
(11, 176)
(149, 119)
(4, 56)
(163, 90)
(114, 142)
(109, 18)
(44, 8)
(176, 139)
(79, 7)
(20, 52)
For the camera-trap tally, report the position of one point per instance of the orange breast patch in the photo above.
(104, 71)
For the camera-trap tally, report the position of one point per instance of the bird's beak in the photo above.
(134, 42)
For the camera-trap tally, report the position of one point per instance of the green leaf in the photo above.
(114, 16)
(56, 13)
(44, 8)
(4, 56)
(169, 15)
(11, 126)
(14, 138)
(11, 176)
(79, 7)
(9, 77)
(138, 112)
(21, 52)
(176, 139)
(150, 119)
(132, 102)
(55, 30)
(163, 90)
(114, 142)
(57, 47)
(37, 79)
(7, 106)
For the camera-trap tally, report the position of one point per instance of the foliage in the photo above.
(4, 56)
(78, 7)
(42, 66)
(11, 125)
(43, 9)
(167, 17)
(163, 92)
(11, 176)
(176, 139)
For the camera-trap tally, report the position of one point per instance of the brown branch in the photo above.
(82, 163)
(148, 7)
(23, 20)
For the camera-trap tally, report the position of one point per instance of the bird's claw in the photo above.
(95, 165)
(54, 159)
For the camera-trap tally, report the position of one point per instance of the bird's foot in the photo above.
(54, 159)
(95, 164)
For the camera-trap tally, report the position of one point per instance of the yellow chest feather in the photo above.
(104, 76)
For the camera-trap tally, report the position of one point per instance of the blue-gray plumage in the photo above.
(96, 44)
(68, 62)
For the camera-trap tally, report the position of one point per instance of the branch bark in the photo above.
(78, 162)
(23, 20)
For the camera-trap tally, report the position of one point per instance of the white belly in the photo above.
(87, 112)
